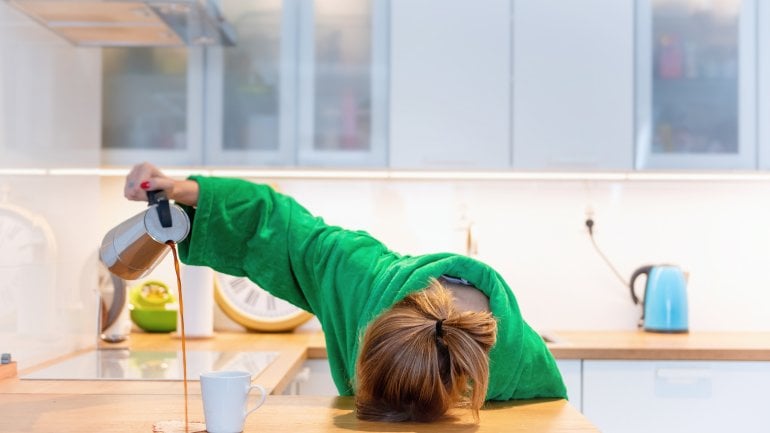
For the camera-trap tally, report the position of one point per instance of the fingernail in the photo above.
(145, 184)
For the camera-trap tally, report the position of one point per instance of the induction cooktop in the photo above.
(124, 364)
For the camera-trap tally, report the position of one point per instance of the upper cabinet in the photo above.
(343, 78)
(306, 84)
(152, 104)
(573, 88)
(696, 84)
(450, 84)
(453, 84)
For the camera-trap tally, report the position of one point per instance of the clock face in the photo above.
(25, 247)
(253, 307)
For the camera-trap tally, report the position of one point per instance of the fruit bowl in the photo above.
(153, 307)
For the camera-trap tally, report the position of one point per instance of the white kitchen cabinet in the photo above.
(314, 378)
(676, 396)
(572, 374)
(152, 105)
(306, 84)
(342, 76)
(763, 81)
(696, 84)
(450, 87)
(573, 84)
(49, 93)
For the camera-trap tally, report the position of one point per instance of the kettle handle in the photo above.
(158, 197)
(643, 270)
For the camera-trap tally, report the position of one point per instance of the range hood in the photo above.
(126, 23)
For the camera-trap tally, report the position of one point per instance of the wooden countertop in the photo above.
(700, 346)
(39, 406)
(63, 413)
(123, 406)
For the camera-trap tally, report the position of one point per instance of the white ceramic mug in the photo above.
(225, 397)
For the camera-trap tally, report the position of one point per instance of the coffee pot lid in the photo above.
(176, 232)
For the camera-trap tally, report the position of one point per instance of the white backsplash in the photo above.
(49, 105)
(533, 233)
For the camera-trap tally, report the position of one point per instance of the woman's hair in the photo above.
(422, 357)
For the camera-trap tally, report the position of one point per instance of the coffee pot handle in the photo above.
(158, 197)
(643, 270)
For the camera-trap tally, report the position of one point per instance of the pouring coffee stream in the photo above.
(132, 249)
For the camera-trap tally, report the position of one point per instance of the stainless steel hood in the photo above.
(125, 23)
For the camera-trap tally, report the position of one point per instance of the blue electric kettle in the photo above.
(665, 298)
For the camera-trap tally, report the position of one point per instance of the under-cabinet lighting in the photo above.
(685, 176)
(380, 174)
(22, 171)
(303, 174)
(88, 172)
(503, 175)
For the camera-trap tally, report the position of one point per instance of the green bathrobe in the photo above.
(346, 278)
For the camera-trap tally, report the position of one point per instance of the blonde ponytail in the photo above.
(422, 357)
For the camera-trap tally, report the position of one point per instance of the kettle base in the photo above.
(667, 331)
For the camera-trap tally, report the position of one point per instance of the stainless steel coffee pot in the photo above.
(133, 248)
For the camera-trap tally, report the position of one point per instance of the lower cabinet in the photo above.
(571, 372)
(314, 378)
(676, 396)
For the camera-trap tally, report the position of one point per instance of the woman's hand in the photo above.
(146, 177)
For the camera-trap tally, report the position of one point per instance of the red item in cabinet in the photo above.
(670, 56)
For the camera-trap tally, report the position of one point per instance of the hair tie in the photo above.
(439, 330)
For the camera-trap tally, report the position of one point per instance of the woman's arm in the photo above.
(146, 177)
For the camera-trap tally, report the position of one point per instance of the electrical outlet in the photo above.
(589, 220)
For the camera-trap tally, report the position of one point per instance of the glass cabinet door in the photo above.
(696, 104)
(342, 82)
(304, 85)
(250, 87)
(151, 105)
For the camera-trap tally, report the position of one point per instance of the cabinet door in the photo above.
(314, 378)
(763, 80)
(573, 84)
(696, 84)
(676, 396)
(152, 101)
(49, 93)
(342, 82)
(450, 84)
(251, 87)
(572, 373)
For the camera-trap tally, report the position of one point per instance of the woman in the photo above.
(409, 336)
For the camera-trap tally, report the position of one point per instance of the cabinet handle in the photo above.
(684, 374)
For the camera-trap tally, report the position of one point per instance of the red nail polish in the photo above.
(145, 184)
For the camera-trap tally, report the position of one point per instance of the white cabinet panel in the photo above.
(572, 373)
(49, 97)
(314, 378)
(573, 97)
(676, 396)
(763, 82)
(450, 84)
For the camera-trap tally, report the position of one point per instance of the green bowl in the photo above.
(154, 320)
(153, 307)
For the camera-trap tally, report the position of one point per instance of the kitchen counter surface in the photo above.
(120, 413)
(696, 346)
(118, 406)
(133, 406)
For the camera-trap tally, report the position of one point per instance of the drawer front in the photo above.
(676, 396)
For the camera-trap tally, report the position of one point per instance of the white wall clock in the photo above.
(27, 251)
(253, 307)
